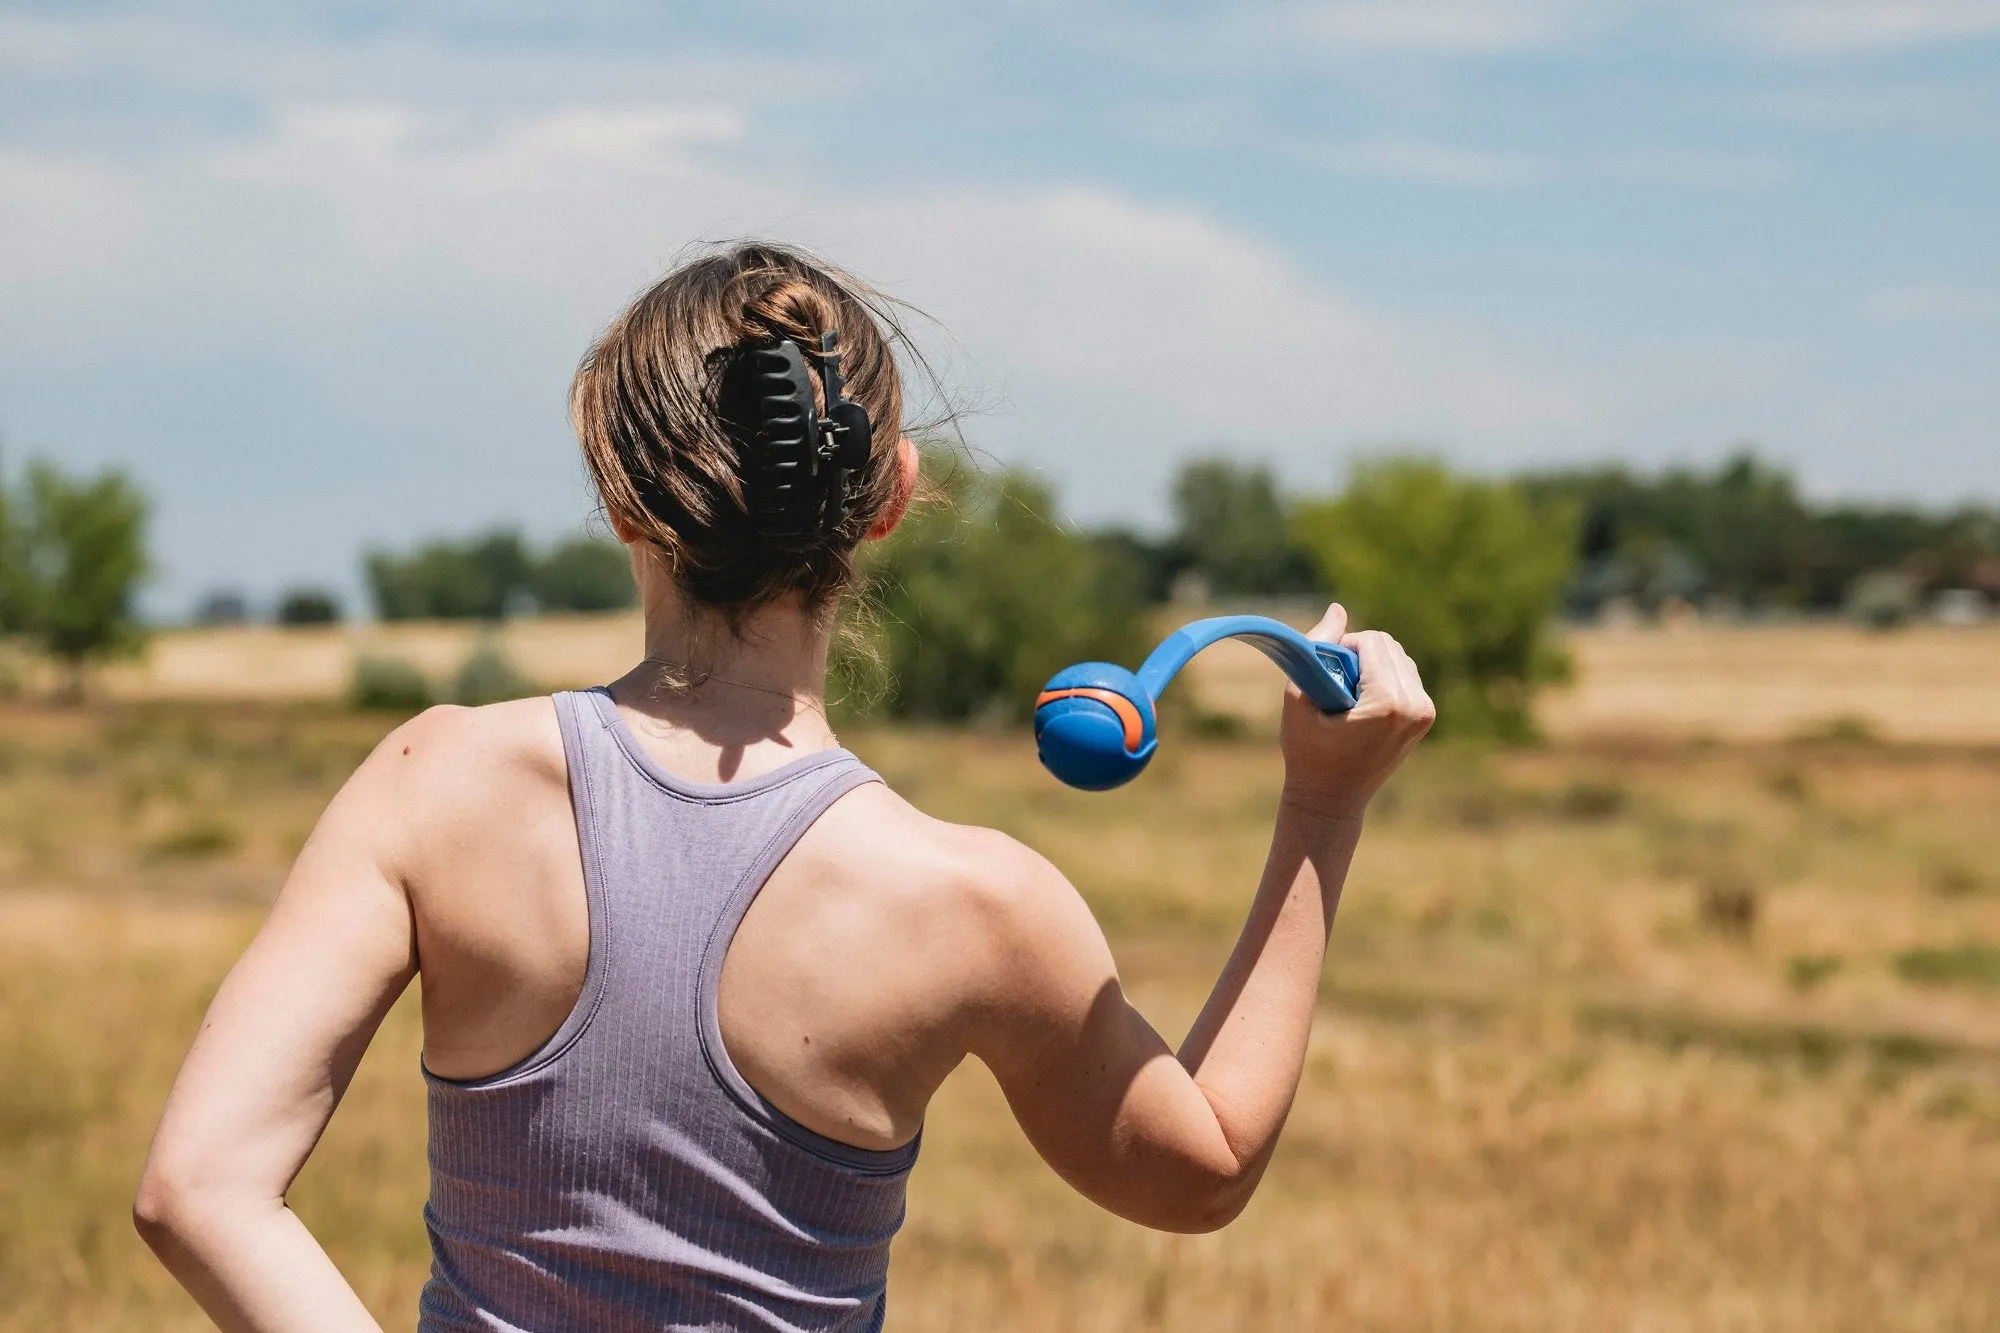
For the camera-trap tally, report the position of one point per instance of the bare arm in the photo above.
(1180, 1140)
(269, 1065)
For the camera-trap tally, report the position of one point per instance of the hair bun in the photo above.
(790, 308)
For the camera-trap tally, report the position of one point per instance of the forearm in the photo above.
(1247, 1048)
(254, 1268)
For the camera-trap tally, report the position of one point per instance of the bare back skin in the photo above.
(502, 925)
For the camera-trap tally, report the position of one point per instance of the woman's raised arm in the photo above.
(1179, 1140)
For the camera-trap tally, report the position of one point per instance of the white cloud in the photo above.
(61, 215)
(1124, 333)
(566, 197)
(1083, 287)
(1785, 27)
(1163, 312)
(1833, 27)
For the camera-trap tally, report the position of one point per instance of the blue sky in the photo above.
(318, 275)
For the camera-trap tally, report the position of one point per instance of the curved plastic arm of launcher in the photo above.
(1326, 673)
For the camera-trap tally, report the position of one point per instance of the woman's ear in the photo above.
(623, 531)
(906, 487)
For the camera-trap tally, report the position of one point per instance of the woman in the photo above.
(691, 973)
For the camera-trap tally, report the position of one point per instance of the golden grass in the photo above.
(1554, 1085)
(269, 663)
(1927, 684)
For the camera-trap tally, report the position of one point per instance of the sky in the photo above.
(317, 276)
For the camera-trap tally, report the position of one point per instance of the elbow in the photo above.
(1215, 1211)
(157, 1211)
(1207, 1203)
(164, 1210)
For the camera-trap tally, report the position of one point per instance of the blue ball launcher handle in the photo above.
(1329, 674)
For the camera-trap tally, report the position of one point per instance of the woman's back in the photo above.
(624, 1174)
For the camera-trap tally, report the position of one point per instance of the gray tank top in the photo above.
(625, 1176)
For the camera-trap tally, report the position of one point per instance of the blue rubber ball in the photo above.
(1094, 726)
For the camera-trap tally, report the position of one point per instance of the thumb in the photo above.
(1332, 626)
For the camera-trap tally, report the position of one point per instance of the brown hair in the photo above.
(646, 408)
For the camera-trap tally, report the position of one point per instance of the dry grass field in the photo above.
(1927, 684)
(1651, 1036)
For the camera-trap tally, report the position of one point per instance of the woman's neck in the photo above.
(713, 701)
(776, 649)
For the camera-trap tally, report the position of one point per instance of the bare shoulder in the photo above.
(973, 891)
(448, 768)
(449, 751)
(976, 867)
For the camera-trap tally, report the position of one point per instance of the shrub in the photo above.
(198, 840)
(1882, 599)
(1729, 902)
(390, 685)
(1466, 573)
(1588, 800)
(1954, 878)
(308, 606)
(1971, 964)
(224, 606)
(1807, 971)
(1846, 729)
(488, 676)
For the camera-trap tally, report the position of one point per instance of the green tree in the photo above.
(1230, 525)
(583, 574)
(1467, 573)
(13, 583)
(308, 606)
(980, 600)
(78, 553)
(451, 580)
(1752, 530)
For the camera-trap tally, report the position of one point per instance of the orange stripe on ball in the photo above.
(1127, 711)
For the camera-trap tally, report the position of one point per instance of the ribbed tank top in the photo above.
(625, 1176)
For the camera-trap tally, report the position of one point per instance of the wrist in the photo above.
(1321, 808)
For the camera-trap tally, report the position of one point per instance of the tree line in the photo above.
(489, 576)
(1741, 538)
(971, 605)
(498, 574)
(974, 601)
(1738, 538)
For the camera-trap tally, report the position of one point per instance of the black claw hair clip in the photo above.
(801, 471)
